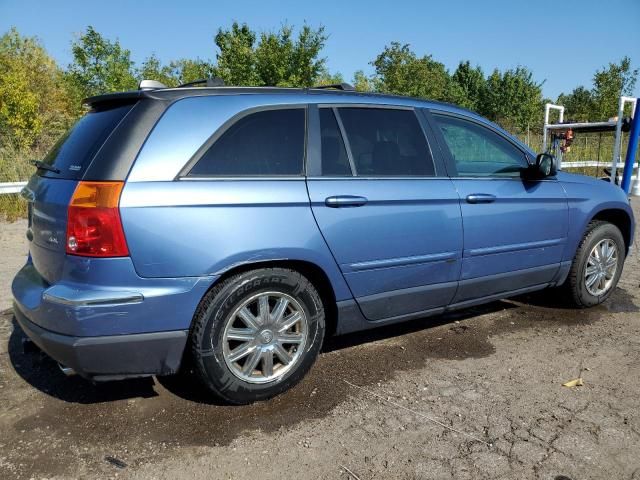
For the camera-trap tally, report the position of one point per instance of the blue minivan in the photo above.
(234, 229)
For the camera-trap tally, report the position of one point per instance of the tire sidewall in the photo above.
(213, 367)
(596, 235)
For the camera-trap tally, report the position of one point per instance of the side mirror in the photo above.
(546, 165)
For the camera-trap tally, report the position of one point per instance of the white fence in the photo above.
(11, 187)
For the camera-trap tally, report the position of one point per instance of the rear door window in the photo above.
(335, 161)
(269, 142)
(75, 150)
(386, 142)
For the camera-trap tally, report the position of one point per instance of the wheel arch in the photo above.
(310, 270)
(621, 219)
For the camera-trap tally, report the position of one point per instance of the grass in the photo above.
(12, 207)
(14, 167)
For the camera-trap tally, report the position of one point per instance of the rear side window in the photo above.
(335, 161)
(386, 142)
(478, 151)
(269, 142)
(75, 150)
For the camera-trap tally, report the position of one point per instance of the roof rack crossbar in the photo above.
(337, 86)
(209, 82)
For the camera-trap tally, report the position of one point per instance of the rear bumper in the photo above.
(105, 297)
(110, 357)
(104, 321)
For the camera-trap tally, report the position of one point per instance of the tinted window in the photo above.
(75, 150)
(478, 151)
(386, 142)
(334, 154)
(263, 143)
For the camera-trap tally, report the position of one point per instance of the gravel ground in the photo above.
(13, 252)
(468, 396)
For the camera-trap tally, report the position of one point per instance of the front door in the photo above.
(515, 230)
(389, 214)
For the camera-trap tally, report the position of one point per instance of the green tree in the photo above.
(236, 59)
(361, 82)
(400, 71)
(306, 64)
(32, 94)
(153, 69)
(272, 58)
(187, 70)
(100, 65)
(513, 99)
(325, 77)
(579, 104)
(471, 83)
(176, 72)
(609, 84)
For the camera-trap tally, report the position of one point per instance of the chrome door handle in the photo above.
(481, 198)
(345, 201)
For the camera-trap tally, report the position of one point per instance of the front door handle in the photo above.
(339, 201)
(481, 198)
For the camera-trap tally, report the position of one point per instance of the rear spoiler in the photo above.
(113, 99)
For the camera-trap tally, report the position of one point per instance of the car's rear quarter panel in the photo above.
(191, 228)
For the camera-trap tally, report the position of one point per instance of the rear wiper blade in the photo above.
(44, 166)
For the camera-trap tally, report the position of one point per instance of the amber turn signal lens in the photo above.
(94, 227)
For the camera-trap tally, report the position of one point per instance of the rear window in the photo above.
(75, 150)
(386, 142)
(270, 142)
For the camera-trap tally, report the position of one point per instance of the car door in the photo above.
(389, 214)
(515, 229)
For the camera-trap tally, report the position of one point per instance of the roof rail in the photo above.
(208, 82)
(337, 86)
(150, 85)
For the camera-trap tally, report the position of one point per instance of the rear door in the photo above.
(387, 211)
(515, 229)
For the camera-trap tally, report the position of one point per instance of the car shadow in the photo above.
(411, 326)
(41, 372)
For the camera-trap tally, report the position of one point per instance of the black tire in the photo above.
(575, 285)
(216, 309)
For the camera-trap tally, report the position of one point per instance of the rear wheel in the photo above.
(257, 333)
(597, 265)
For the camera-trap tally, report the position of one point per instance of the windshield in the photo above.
(75, 150)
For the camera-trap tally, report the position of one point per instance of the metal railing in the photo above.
(11, 187)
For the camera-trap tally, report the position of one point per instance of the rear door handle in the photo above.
(339, 201)
(481, 198)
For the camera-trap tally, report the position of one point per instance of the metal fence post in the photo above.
(631, 149)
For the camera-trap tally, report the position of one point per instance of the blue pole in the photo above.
(631, 149)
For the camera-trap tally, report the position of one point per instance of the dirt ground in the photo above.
(468, 396)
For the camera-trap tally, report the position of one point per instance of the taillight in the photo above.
(94, 228)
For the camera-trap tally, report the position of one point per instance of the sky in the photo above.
(562, 42)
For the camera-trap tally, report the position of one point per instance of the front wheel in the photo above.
(597, 265)
(257, 333)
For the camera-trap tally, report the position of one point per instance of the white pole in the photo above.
(547, 108)
(618, 138)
